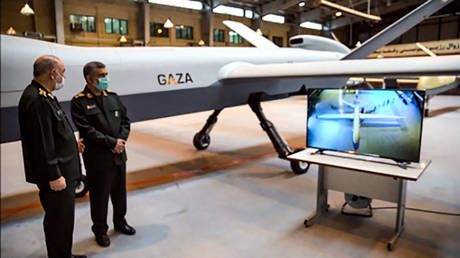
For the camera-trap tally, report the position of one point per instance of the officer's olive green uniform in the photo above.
(101, 120)
(50, 151)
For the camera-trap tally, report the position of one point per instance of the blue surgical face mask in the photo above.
(103, 83)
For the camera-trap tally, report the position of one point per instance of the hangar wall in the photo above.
(120, 9)
(44, 22)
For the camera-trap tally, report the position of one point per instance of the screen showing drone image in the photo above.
(384, 123)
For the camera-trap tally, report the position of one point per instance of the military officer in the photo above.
(50, 153)
(101, 119)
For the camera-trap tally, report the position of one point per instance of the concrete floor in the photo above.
(255, 208)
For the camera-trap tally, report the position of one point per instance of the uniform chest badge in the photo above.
(116, 113)
(88, 107)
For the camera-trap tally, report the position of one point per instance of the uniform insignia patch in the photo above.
(89, 95)
(51, 95)
(116, 114)
(90, 106)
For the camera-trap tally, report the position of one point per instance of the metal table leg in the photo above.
(399, 214)
(321, 199)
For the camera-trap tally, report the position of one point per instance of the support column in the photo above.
(207, 26)
(59, 20)
(326, 32)
(144, 22)
(256, 21)
(294, 28)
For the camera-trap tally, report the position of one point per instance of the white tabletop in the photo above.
(366, 165)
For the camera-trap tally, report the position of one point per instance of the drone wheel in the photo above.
(201, 141)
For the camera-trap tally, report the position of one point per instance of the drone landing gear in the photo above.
(280, 145)
(201, 140)
(81, 186)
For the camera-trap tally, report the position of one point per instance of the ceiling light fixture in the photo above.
(301, 4)
(11, 31)
(26, 10)
(338, 13)
(168, 24)
(123, 39)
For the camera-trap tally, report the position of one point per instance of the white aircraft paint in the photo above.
(135, 70)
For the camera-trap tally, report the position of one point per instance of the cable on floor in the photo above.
(420, 210)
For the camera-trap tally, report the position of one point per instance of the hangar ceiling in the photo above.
(298, 11)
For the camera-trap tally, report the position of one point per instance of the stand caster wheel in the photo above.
(81, 187)
(201, 141)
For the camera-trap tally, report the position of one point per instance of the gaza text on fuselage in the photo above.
(174, 78)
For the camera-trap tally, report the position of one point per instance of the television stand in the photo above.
(377, 180)
(402, 164)
(399, 163)
(317, 152)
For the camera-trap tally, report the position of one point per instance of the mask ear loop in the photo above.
(94, 80)
(51, 74)
(58, 74)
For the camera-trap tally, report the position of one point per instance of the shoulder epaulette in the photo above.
(81, 94)
(111, 92)
(45, 93)
(42, 92)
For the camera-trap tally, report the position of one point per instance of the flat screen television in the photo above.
(381, 123)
